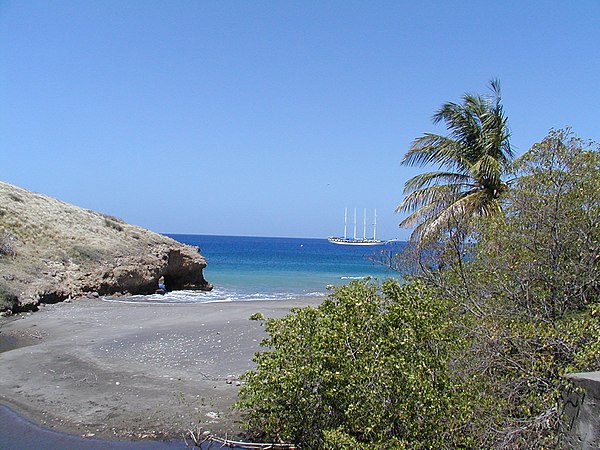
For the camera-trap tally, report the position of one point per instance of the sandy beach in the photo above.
(117, 370)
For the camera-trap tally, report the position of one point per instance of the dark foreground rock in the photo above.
(51, 251)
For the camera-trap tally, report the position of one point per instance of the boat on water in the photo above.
(351, 241)
(354, 240)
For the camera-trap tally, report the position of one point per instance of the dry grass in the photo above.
(39, 235)
(43, 224)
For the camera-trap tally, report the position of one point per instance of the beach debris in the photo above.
(206, 437)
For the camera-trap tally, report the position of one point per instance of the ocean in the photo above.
(241, 269)
(272, 268)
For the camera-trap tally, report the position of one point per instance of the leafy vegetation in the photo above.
(473, 159)
(368, 366)
(528, 283)
(535, 274)
(471, 351)
(7, 297)
(7, 244)
(545, 251)
(113, 222)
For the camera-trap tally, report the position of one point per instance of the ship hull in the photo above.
(365, 242)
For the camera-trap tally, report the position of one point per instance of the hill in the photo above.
(51, 251)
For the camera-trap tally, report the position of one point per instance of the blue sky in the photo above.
(268, 118)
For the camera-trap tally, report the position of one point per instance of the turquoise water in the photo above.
(241, 269)
(267, 268)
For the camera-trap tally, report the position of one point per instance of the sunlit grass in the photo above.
(41, 238)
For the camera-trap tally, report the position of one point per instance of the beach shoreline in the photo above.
(128, 371)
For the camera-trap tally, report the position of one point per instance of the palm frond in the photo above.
(459, 211)
(472, 160)
(429, 178)
(431, 221)
(418, 217)
(438, 195)
(432, 149)
(464, 125)
(487, 169)
(418, 232)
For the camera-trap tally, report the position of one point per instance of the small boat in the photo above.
(354, 240)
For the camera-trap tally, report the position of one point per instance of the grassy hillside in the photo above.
(51, 250)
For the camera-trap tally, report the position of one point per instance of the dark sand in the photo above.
(131, 371)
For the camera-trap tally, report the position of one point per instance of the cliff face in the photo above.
(51, 251)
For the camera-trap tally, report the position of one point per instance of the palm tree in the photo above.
(472, 160)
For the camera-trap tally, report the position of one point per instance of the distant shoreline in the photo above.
(127, 371)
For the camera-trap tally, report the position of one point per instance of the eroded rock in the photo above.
(62, 251)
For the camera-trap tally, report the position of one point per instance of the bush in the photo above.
(85, 253)
(7, 244)
(536, 273)
(529, 286)
(112, 224)
(15, 197)
(367, 366)
(7, 298)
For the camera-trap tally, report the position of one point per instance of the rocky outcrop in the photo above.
(51, 251)
(581, 420)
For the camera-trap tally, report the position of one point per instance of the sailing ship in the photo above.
(354, 240)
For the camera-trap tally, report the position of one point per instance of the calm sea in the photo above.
(241, 269)
(268, 268)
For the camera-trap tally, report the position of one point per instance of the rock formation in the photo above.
(51, 251)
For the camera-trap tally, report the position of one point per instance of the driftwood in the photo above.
(207, 438)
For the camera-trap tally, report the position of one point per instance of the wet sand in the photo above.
(125, 371)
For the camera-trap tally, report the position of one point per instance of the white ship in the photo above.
(354, 240)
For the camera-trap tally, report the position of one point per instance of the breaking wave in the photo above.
(214, 296)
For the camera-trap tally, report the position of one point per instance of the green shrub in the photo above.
(7, 244)
(84, 253)
(367, 366)
(112, 224)
(8, 297)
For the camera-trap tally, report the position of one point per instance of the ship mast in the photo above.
(375, 225)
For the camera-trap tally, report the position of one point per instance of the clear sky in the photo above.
(269, 117)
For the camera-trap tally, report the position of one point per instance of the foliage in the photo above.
(7, 247)
(85, 253)
(531, 288)
(8, 298)
(15, 197)
(368, 366)
(551, 236)
(472, 350)
(111, 223)
(528, 285)
(473, 158)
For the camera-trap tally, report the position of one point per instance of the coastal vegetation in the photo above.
(526, 286)
(368, 365)
(473, 160)
(502, 299)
